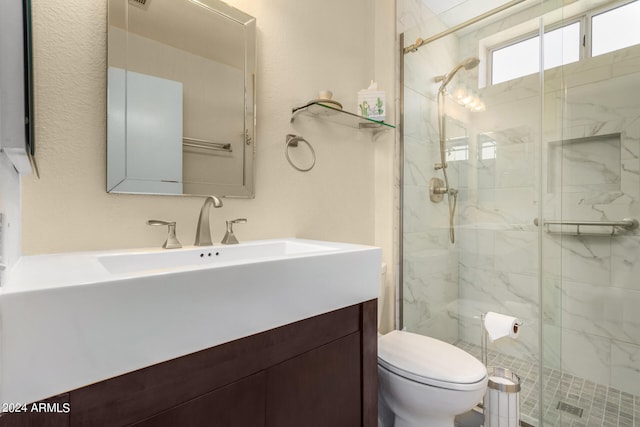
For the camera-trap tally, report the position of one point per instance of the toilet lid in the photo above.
(430, 361)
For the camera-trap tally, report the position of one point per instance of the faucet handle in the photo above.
(230, 238)
(172, 241)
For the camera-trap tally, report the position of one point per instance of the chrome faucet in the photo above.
(203, 232)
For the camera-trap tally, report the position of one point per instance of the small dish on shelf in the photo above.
(327, 103)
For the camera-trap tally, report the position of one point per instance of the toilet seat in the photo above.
(430, 361)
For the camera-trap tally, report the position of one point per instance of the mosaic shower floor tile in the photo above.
(569, 401)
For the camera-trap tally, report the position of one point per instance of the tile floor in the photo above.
(601, 406)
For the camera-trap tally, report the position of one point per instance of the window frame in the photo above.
(589, 15)
(459, 144)
(581, 19)
(584, 50)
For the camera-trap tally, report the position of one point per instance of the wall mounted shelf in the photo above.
(318, 110)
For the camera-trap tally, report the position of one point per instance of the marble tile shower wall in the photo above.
(591, 286)
(493, 264)
(597, 278)
(430, 266)
(590, 171)
(499, 198)
(498, 242)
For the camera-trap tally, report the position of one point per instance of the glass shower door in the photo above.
(591, 285)
(560, 146)
(493, 160)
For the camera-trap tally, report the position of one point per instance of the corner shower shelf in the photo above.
(316, 109)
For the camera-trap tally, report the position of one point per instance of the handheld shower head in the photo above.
(452, 193)
(470, 63)
(467, 64)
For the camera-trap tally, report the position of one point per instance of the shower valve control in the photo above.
(437, 190)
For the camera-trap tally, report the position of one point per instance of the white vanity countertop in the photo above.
(39, 272)
(69, 320)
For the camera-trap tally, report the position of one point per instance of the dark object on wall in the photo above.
(16, 84)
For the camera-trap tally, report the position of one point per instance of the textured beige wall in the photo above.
(303, 45)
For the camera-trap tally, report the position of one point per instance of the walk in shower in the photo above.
(542, 159)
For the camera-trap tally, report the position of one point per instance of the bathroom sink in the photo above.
(69, 320)
(137, 262)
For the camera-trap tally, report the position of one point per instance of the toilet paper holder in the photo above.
(484, 335)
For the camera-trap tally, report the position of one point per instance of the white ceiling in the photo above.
(439, 6)
(453, 12)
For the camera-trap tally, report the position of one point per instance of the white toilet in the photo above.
(424, 382)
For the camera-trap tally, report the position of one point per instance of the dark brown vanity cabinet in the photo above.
(320, 371)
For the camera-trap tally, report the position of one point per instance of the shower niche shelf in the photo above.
(317, 110)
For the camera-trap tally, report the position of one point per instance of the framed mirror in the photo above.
(16, 86)
(180, 98)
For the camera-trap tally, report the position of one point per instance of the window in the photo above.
(561, 46)
(615, 29)
(458, 149)
(605, 31)
(516, 60)
(488, 150)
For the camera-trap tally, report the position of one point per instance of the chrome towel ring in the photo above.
(292, 141)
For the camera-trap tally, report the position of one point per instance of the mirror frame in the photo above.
(17, 140)
(117, 180)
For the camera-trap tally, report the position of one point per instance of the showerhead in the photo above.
(470, 63)
(467, 64)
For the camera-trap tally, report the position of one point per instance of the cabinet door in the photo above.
(318, 388)
(240, 404)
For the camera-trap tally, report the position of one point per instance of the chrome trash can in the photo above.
(502, 399)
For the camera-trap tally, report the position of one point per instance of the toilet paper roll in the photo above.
(500, 325)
